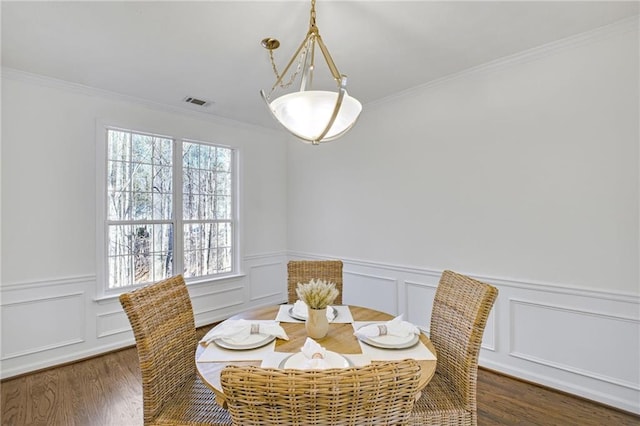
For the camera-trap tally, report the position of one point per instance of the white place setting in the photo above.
(241, 340)
(391, 340)
(313, 356)
(298, 312)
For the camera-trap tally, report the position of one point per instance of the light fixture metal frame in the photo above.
(312, 38)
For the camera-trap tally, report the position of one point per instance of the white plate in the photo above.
(295, 315)
(251, 342)
(299, 361)
(390, 342)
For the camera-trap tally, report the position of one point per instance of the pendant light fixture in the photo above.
(311, 115)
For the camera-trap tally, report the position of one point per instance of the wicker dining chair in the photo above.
(161, 316)
(460, 310)
(303, 271)
(377, 394)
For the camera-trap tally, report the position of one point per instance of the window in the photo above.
(169, 208)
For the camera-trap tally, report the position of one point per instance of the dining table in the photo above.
(340, 339)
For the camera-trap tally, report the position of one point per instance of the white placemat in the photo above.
(273, 359)
(214, 353)
(419, 351)
(344, 315)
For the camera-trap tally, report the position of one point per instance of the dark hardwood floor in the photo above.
(107, 391)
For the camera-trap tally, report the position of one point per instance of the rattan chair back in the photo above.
(161, 316)
(377, 394)
(460, 310)
(303, 271)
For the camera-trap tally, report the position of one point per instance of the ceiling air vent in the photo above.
(196, 101)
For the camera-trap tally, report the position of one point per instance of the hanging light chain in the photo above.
(293, 74)
(312, 19)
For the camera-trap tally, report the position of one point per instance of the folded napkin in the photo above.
(237, 331)
(395, 327)
(300, 309)
(315, 355)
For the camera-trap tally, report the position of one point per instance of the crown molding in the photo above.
(50, 82)
(535, 53)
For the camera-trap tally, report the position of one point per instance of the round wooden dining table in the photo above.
(339, 339)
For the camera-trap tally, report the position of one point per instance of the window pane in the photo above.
(223, 184)
(224, 235)
(190, 155)
(118, 176)
(118, 271)
(162, 180)
(141, 148)
(118, 205)
(119, 145)
(142, 207)
(223, 160)
(139, 254)
(207, 249)
(163, 152)
(142, 177)
(162, 207)
(223, 207)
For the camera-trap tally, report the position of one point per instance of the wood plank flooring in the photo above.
(107, 391)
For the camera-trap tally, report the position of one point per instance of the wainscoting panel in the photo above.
(265, 281)
(419, 301)
(551, 335)
(372, 291)
(212, 302)
(112, 323)
(23, 334)
(47, 323)
(576, 340)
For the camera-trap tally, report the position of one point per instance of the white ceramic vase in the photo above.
(317, 324)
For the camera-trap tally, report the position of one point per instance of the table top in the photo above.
(339, 339)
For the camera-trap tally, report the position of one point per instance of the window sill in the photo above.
(109, 298)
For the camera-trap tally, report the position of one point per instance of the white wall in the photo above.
(523, 172)
(49, 277)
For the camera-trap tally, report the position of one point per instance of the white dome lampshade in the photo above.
(306, 114)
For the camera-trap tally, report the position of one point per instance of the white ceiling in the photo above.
(164, 51)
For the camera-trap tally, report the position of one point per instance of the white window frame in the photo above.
(102, 264)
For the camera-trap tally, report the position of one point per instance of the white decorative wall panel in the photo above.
(110, 323)
(489, 339)
(58, 323)
(372, 291)
(578, 341)
(418, 304)
(213, 302)
(265, 280)
(219, 298)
